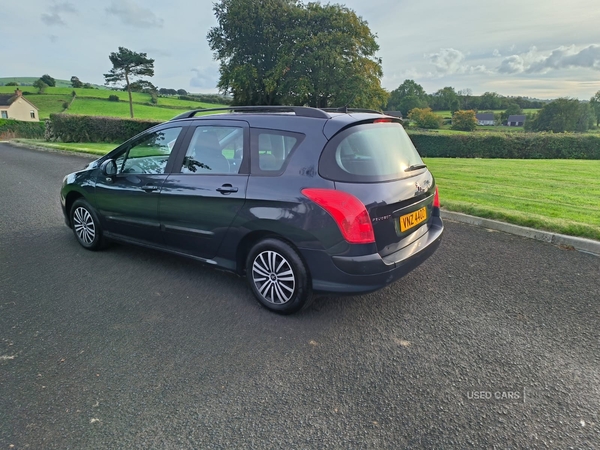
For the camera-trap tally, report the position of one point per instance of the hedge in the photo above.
(507, 145)
(10, 129)
(75, 128)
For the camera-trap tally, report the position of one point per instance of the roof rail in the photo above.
(303, 111)
(346, 110)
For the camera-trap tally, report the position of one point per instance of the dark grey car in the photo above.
(298, 199)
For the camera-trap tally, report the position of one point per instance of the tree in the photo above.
(464, 120)
(142, 86)
(445, 99)
(595, 106)
(48, 80)
(284, 51)
(564, 114)
(406, 97)
(490, 100)
(40, 85)
(425, 118)
(128, 64)
(75, 82)
(465, 97)
(181, 92)
(12, 83)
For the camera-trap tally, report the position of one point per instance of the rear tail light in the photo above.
(349, 214)
(436, 199)
(382, 121)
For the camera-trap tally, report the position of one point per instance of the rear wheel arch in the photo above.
(253, 238)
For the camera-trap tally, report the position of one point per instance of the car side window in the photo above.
(150, 154)
(215, 150)
(271, 149)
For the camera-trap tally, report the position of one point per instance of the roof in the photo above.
(7, 99)
(485, 116)
(516, 118)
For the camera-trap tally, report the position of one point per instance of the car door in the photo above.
(128, 201)
(207, 187)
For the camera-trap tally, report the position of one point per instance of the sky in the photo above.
(537, 48)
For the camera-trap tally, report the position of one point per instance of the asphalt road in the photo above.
(131, 348)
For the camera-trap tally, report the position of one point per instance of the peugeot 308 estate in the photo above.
(297, 199)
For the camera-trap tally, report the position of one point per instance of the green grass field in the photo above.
(554, 195)
(92, 107)
(95, 102)
(48, 104)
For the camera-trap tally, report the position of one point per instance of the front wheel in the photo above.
(278, 277)
(86, 225)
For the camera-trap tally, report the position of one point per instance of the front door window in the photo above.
(150, 155)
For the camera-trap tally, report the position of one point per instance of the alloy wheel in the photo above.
(273, 277)
(84, 225)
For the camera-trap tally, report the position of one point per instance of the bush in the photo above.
(10, 129)
(74, 128)
(113, 98)
(65, 105)
(464, 120)
(425, 118)
(509, 145)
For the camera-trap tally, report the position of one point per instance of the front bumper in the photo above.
(371, 272)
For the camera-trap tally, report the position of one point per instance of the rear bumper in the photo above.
(371, 272)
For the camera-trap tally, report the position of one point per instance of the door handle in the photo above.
(227, 189)
(149, 188)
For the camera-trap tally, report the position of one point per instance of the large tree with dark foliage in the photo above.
(406, 97)
(51, 82)
(564, 114)
(286, 52)
(127, 65)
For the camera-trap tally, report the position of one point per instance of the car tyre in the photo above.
(278, 277)
(86, 226)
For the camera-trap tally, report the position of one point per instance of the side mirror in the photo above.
(108, 168)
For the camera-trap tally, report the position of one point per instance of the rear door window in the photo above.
(369, 153)
(271, 149)
(215, 150)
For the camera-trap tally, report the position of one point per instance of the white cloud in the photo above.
(568, 58)
(133, 14)
(512, 64)
(447, 61)
(562, 57)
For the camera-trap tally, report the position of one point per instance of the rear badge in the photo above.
(381, 219)
(422, 189)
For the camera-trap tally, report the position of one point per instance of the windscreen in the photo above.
(369, 153)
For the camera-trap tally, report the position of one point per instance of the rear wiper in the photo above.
(415, 167)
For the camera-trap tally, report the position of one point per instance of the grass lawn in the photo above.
(84, 147)
(554, 195)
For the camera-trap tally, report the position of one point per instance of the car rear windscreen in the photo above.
(369, 153)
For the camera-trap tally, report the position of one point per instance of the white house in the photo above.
(15, 106)
(485, 119)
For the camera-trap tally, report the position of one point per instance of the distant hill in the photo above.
(28, 81)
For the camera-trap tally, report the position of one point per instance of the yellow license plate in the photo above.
(413, 219)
